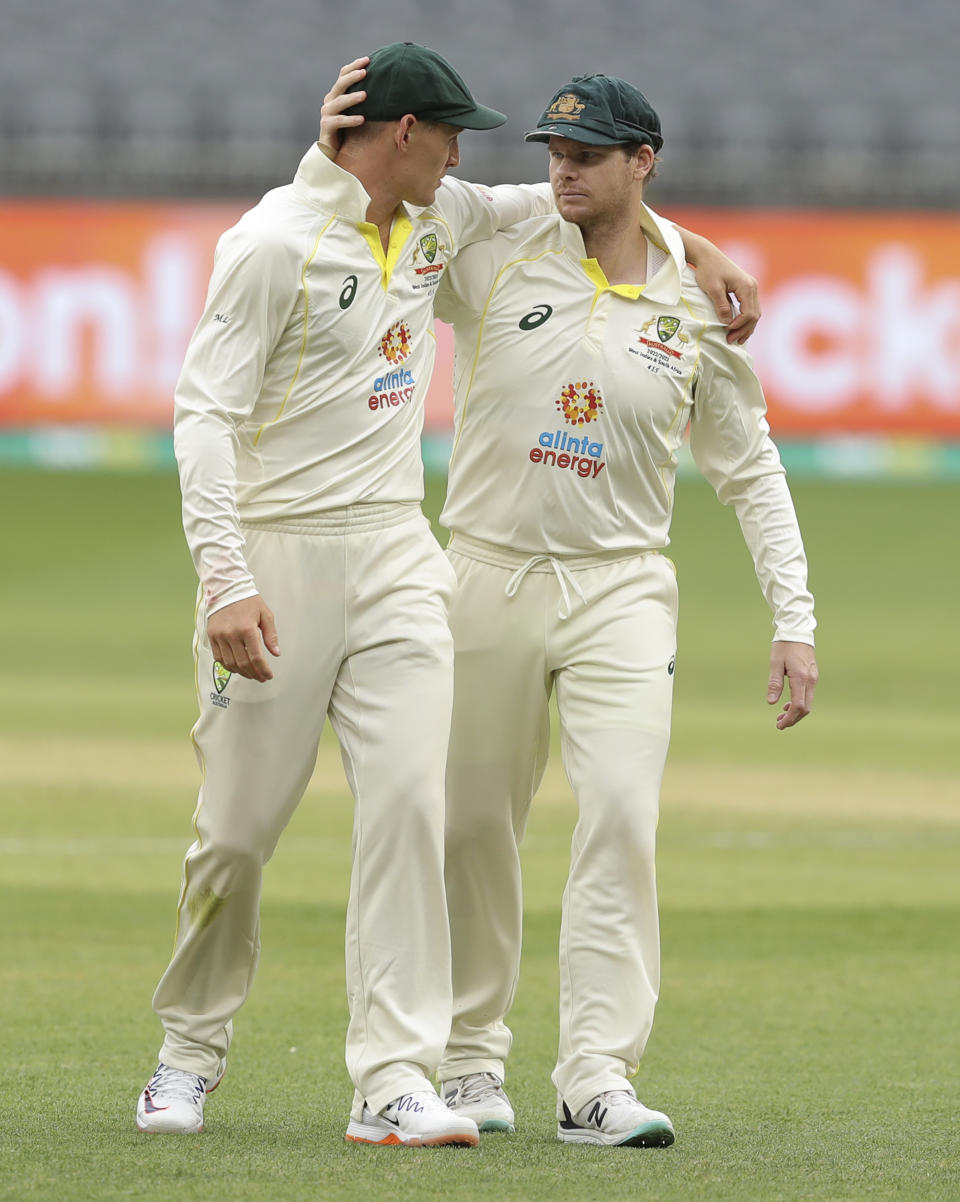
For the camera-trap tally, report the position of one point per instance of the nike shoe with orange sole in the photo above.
(615, 1119)
(172, 1103)
(417, 1120)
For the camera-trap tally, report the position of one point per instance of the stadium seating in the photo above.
(761, 104)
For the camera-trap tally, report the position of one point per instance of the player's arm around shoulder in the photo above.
(729, 433)
(474, 212)
(721, 278)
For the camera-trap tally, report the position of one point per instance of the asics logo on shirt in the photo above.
(536, 317)
(349, 291)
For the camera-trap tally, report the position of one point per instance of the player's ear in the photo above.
(403, 130)
(643, 162)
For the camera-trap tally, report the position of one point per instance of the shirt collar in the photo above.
(665, 286)
(324, 186)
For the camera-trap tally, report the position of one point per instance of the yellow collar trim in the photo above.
(602, 284)
(400, 231)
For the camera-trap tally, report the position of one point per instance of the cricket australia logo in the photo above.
(428, 245)
(430, 250)
(566, 107)
(656, 350)
(580, 402)
(221, 678)
(395, 344)
(667, 327)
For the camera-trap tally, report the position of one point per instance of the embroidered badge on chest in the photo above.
(661, 342)
(428, 264)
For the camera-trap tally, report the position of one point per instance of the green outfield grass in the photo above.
(806, 1043)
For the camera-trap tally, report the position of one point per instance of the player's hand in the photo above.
(797, 663)
(334, 114)
(238, 635)
(719, 277)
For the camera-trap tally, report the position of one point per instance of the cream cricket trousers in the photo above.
(360, 598)
(602, 630)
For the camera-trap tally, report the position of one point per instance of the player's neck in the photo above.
(377, 183)
(620, 247)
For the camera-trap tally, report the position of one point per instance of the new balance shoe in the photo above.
(172, 1103)
(480, 1096)
(615, 1118)
(416, 1120)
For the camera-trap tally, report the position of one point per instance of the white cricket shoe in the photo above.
(615, 1118)
(416, 1120)
(480, 1096)
(172, 1103)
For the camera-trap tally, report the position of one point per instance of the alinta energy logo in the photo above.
(395, 344)
(396, 387)
(581, 404)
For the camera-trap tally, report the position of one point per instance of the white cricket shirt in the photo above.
(302, 388)
(572, 397)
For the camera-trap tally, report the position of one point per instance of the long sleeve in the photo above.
(731, 444)
(252, 291)
(474, 212)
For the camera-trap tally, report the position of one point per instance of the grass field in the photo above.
(807, 1041)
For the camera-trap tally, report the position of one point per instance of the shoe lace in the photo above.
(618, 1097)
(176, 1085)
(477, 1087)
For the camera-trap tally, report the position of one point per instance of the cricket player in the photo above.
(298, 417)
(322, 590)
(584, 348)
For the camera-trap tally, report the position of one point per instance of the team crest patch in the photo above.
(658, 354)
(221, 677)
(428, 244)
(566, 107)
(395, 344)
(580, 402)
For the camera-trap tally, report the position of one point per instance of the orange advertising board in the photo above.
(861, 324)
(860, 334)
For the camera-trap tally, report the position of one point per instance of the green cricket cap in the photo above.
(601, 110)
(406, 78)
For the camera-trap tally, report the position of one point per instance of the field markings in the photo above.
(151, 767)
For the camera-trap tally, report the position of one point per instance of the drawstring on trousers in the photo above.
(564, 577)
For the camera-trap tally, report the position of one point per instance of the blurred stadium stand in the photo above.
(762, 102)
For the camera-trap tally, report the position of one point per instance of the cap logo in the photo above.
(566, 107)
